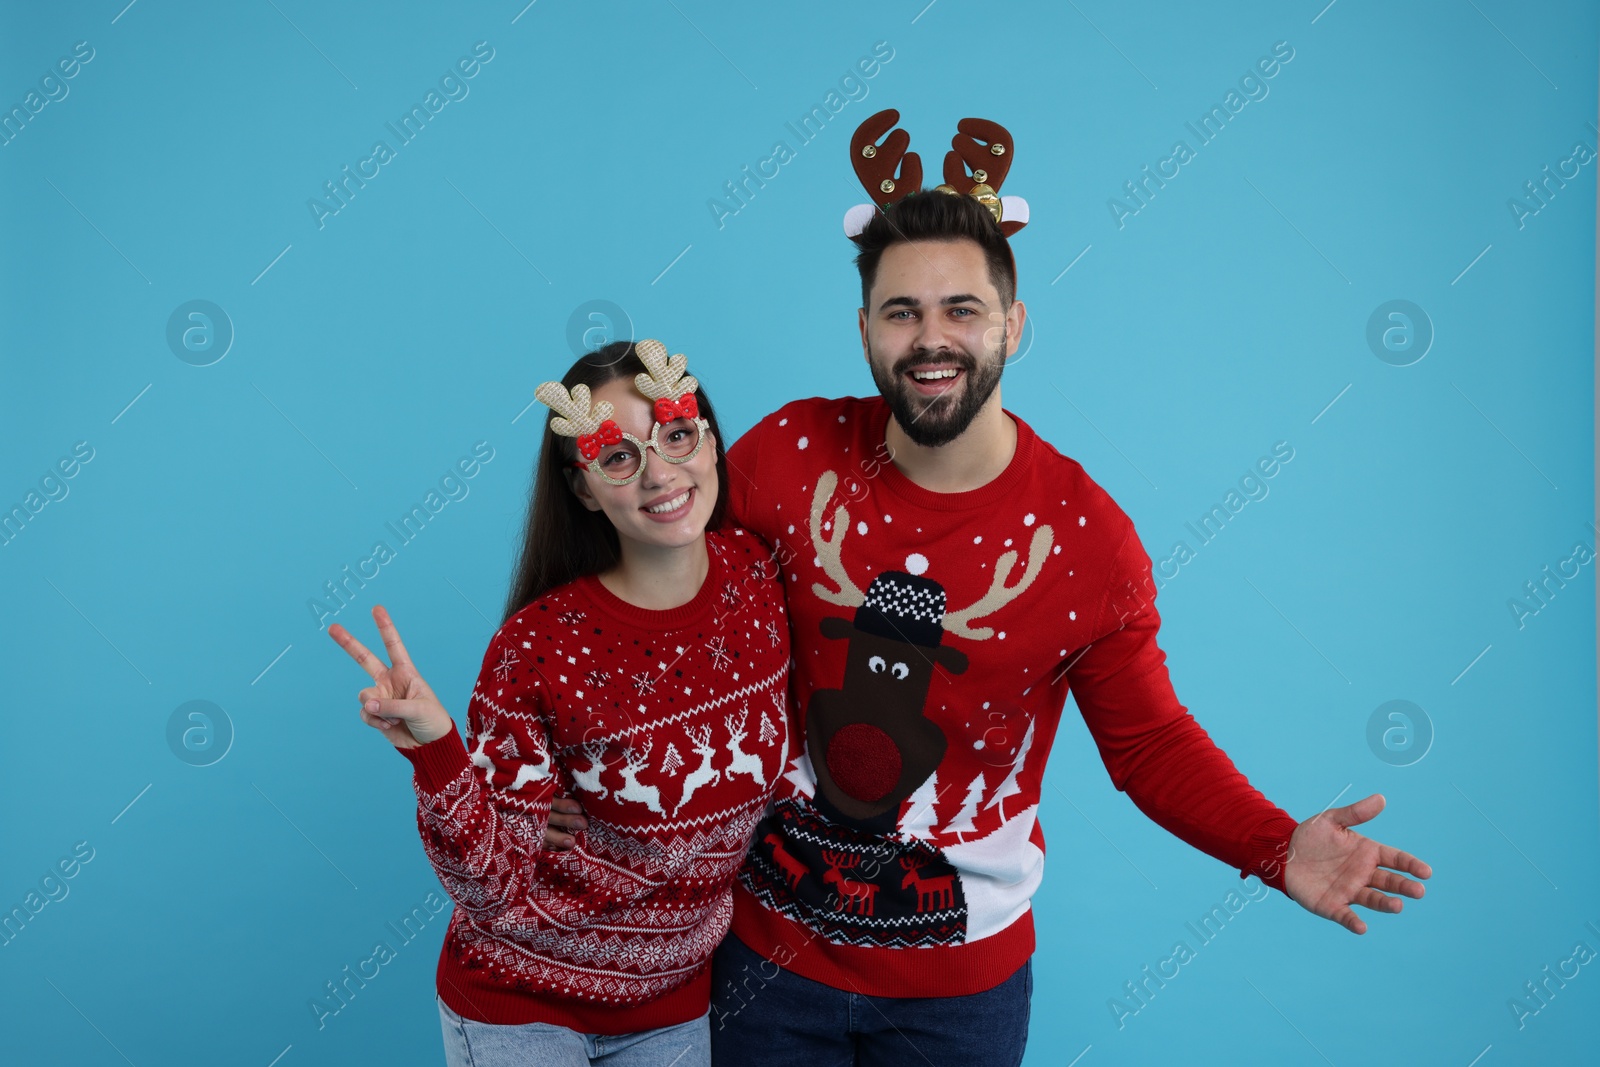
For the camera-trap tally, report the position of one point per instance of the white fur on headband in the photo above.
(856, 219)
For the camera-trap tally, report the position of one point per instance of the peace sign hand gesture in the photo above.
(398, 694)
(1331, 866)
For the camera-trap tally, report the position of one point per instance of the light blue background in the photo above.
(1223, 317)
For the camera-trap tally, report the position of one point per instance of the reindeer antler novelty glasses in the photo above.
(610, 451)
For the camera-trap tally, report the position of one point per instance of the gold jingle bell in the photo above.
(985, 196)
(980, 192)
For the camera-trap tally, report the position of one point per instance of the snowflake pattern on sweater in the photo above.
(633, 911)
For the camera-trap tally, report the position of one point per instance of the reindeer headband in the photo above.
(666, 383)
(981, 154)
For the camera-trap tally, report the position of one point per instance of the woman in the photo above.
(641, 667)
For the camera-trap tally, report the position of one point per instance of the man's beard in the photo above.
(937, 420)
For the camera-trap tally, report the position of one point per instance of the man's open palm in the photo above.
(1331, 867)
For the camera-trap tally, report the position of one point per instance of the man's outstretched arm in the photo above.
(1168, 765)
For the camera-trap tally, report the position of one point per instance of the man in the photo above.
(950, 578)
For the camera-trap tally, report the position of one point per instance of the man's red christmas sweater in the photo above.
(671, 728)
(936, 637)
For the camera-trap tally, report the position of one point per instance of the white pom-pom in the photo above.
(856, 219)
(1013, 209)
(916, 563)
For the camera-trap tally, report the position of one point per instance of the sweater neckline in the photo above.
(664, 619)
(988, 494)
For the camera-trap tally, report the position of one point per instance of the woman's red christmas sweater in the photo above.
(671, 728)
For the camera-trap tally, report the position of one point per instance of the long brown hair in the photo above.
(563, 540)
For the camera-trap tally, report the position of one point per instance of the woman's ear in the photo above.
(580, 489)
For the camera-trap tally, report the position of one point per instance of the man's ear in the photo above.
(861, 320)
(580, 489)
(1016, 317)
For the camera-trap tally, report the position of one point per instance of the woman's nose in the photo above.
(657, 471)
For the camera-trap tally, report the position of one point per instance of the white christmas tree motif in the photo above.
(502, 670)
(802, 776)
(962, 822)
(508, 748)
(768, 731)
(672, 763)
(772, 634)
(717, 649)
(1009, 787)
(644, 684)
(918, 819)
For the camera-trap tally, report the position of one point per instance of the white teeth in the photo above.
(931, 375)
(669, 505)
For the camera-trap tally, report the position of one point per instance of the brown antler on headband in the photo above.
(876, 164)
(985, 149)
(981, 156)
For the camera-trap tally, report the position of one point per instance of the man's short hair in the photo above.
(930, 215)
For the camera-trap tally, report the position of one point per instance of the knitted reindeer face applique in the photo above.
(871, 745)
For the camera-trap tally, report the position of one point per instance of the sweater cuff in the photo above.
(439, 762)
(1267, 851)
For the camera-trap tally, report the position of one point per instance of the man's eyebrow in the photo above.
(913, 302)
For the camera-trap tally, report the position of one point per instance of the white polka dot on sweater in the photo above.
(916, 563)
(1027, 520)
(806, 441)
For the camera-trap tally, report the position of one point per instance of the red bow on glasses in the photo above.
(590, 444)
(685, 407)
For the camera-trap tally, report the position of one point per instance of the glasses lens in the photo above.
(678, 438)
(619, 460)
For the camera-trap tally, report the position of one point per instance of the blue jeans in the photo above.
(469, 1043)
(784, 1020)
